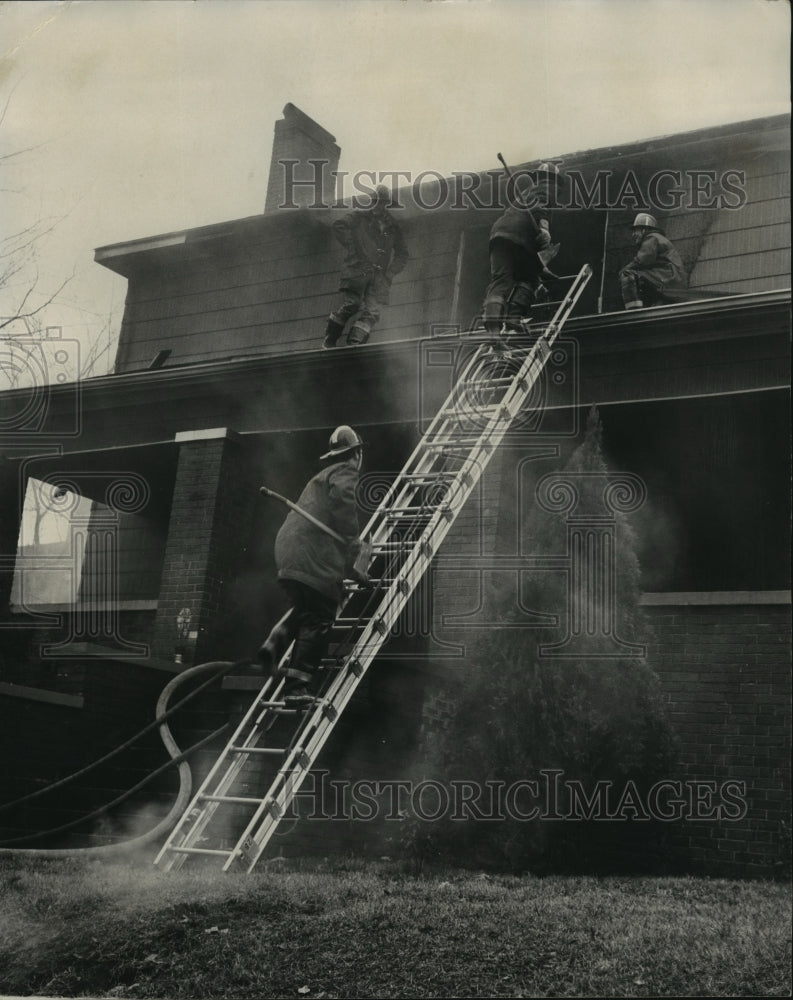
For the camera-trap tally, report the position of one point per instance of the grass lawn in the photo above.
(367, 930)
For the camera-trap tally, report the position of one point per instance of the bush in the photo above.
(522, 714)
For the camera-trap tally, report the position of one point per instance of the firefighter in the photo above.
(375, 253)
(312, 564)
(656, 265)
(517, 236)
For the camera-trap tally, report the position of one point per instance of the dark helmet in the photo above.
(382, 197)
(342, 440)
(536, 186)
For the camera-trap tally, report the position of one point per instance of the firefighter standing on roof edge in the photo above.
(656, 265)
(312, 565)
(376, 252)
(516, 238)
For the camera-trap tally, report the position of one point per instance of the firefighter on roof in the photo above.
(656, 265)
(312, 564)
(516, 239)
(375, 253)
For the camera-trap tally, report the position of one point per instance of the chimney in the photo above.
(299, 138)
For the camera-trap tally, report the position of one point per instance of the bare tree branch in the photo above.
(21, 315)
(21, 301)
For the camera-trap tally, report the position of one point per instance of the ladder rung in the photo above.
(199, 850)
(242, 800)
(427, 510)
(429, 477)
(467, 443)
(406, 516)
(331, 664)
(405, 530)
(466, 407)
(490, 383)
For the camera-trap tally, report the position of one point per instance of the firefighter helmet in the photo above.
(645, 221)
(548, 171)
(342, 440)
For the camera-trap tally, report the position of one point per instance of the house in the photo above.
(693, 395)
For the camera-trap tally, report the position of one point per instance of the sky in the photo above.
(130, 118)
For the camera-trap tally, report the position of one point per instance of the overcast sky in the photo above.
(148, 117)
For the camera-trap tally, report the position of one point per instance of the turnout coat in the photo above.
(304, 552)
(376, 251)
(658, 262)
(519, 225)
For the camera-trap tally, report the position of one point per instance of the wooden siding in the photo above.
(265, 285)
(266, 295)
(748, 249)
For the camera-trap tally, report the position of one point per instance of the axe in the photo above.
(361, 564)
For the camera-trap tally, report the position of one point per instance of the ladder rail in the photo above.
(547, 340)
(427, 518)
(320, 725)
(194, 831)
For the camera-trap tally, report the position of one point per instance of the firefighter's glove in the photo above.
(363, 580)
(543, 238)
(547, 275)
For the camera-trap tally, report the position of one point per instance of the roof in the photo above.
(264, 285)
(776, 128)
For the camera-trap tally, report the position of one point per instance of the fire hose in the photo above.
(177, 755)
(178, 758)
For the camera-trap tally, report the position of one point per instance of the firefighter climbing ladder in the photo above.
(405, 532)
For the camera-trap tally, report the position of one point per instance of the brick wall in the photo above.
(50, 736)
(209, 528)
(375, 740)
(11, 506)
(725, 673)
(725, 670)
(298, 137)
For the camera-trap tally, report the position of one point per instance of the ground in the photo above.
(327, 929)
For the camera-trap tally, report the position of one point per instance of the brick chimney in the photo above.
(299, 138)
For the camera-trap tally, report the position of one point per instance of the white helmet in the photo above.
(342, 440)
(645, 221)
(548, 171)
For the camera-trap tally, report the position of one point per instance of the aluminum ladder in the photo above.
(405, 532)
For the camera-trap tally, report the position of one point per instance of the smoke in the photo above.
(40, 900)
(658, 535)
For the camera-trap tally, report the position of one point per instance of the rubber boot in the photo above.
(519, 304)
(274, 646)
(310, 646)
(357, 336)
(333, 331)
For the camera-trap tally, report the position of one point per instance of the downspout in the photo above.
(603, 263)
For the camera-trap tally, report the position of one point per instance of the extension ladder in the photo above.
(405, 532)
